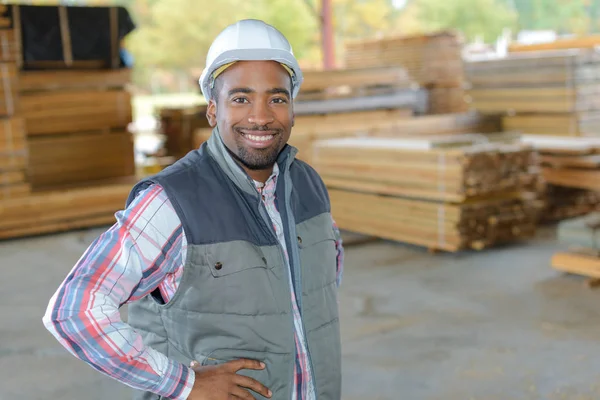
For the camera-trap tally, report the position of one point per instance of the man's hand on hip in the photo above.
(221, 382)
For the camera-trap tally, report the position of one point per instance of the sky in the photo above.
(399, 3)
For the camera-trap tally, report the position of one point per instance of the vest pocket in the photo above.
(236, 278)
(318, 257)
(275, 376)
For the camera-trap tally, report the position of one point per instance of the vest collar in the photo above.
(234, 171)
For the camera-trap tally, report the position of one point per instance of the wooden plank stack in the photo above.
(433, 60)
(64, 144)
(581, 238)
(447, 193)
(352, 82)
(180, 126)
(540, 92)
(13, 140)
(570, 168)
(77, 126)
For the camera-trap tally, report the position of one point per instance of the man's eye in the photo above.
(240, 100)
(280, 100)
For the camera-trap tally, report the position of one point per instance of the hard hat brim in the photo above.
(229, 56)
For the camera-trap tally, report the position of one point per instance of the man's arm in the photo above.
(340, 253)
(142, 251)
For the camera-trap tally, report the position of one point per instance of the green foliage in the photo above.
(564, 16)
(475, 18)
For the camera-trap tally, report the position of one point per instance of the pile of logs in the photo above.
(570, 168)
(540, 92)
(434, 61)
(447, 193)
(580, 236)
(66, 157)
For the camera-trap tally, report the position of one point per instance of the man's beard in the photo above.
(258, 159)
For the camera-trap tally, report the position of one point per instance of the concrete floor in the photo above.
(499, 324)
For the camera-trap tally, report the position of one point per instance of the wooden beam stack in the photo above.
(13, 140)
(433, 60)
(446, 193)
(540, 92)
(77, 125)
(570, 168)
(64, 145)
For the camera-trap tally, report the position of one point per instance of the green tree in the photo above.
(474, 18)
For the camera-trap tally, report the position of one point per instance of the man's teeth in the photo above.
(259, 138)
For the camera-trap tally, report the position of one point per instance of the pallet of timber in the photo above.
(87, 205)
(446, 168)
(51, 112)
(557, 124)
(79, 158)
(435, 225)
(432, 59)
(179, 125)
(325, 84)
(569, 162)
(563, 202)
(532, 86)
(39, 81)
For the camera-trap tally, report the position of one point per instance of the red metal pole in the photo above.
(327, 42)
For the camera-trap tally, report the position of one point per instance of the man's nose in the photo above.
(261, 114)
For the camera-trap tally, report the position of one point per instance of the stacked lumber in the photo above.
(447, 193)
(434, 61)
(13, 140)
(77, 125)
(352, 82)
(64, 145)
(179, 126)
(581, 238)
(540, 92)
(63, 209)
(570, 168)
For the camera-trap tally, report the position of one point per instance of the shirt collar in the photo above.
(271, 183)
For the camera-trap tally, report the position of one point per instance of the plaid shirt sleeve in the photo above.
(141, 252)
(340, 253)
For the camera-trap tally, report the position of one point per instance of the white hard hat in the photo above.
(249, 40)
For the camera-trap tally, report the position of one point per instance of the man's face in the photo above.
(253, 111)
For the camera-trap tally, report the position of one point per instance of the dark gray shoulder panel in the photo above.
(211, 208)
(309, 197)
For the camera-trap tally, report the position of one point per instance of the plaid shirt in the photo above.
(144, 250)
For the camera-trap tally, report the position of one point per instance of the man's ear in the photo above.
(211, 113)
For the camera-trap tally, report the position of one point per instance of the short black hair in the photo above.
(216, 88)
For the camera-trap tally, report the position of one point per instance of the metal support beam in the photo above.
(327, 40)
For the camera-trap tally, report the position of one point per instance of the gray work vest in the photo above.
(234, 298)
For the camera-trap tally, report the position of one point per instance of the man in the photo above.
(229, 259)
